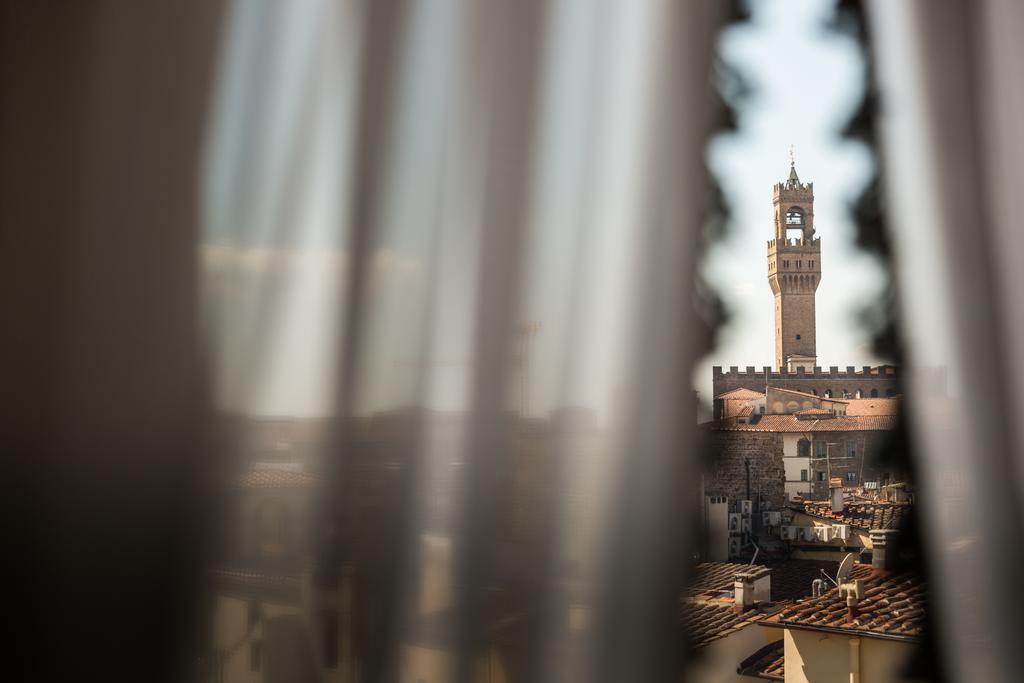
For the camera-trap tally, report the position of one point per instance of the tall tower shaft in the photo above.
(794, 271)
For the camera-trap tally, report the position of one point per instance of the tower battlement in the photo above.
(864, 382)
(796, 242)
(796, 190)
(767, 373)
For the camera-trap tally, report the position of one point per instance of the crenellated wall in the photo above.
(885, 379)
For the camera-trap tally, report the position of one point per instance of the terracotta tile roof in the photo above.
(893, 606)
(791, 423)
(711, 578)
(706, 607)
(274, 478)
(741, 394)
(813, 411)
(706, 622)
(745, 411)
(809, 395)
(863, 515)
(791, 579)
(874, 406)
(768, 662)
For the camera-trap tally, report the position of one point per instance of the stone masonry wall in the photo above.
(725, 473)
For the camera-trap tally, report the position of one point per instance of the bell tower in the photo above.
(794, 270)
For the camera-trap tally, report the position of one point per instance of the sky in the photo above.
(805, 83)
(274, 262)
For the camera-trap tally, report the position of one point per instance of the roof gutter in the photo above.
(852, 633)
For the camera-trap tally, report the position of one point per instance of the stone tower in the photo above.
(794, 270)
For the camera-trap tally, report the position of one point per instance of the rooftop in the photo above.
(706, 607)
(710, 579)
(809, 395)
(706, 622)
(893, 606)
(768, 662)
(741, 394)
(792, 423)
(863, 515)
(813, 413)
(873, 406)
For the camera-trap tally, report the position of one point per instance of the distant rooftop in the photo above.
(741, 394)
(873, 406)
(862, 515)
(793, 424)
(809, 395)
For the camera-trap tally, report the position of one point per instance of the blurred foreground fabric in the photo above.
(461, 125)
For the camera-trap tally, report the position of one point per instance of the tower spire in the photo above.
(793, 179)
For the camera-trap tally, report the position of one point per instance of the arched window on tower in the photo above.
(794, 217)
(859, 394)
(828, 393)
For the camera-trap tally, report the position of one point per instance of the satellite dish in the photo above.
(844, 569)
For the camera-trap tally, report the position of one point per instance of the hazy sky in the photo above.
(281, 132)
(806, 81)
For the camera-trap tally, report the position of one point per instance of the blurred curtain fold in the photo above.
(953, 155)
(490, 164)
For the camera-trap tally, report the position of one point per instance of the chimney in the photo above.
(835, 486)
(744, 593)
(853, 592)
(883, 549)
(751, 587)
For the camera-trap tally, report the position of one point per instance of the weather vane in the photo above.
(791, 161)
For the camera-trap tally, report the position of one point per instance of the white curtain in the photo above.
(952, 101)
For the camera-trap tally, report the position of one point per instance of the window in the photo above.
(803, 448)
(820, 449)
(810, 264)
(794, 216)
(821, 476)
(851, 477)
(256, 655)
(798, 337)
(799, 264)
(330, 634)
(760, 409)
(874, 393)
(851, 449)
(803, 475)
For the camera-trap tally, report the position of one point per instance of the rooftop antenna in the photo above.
(845, 567)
